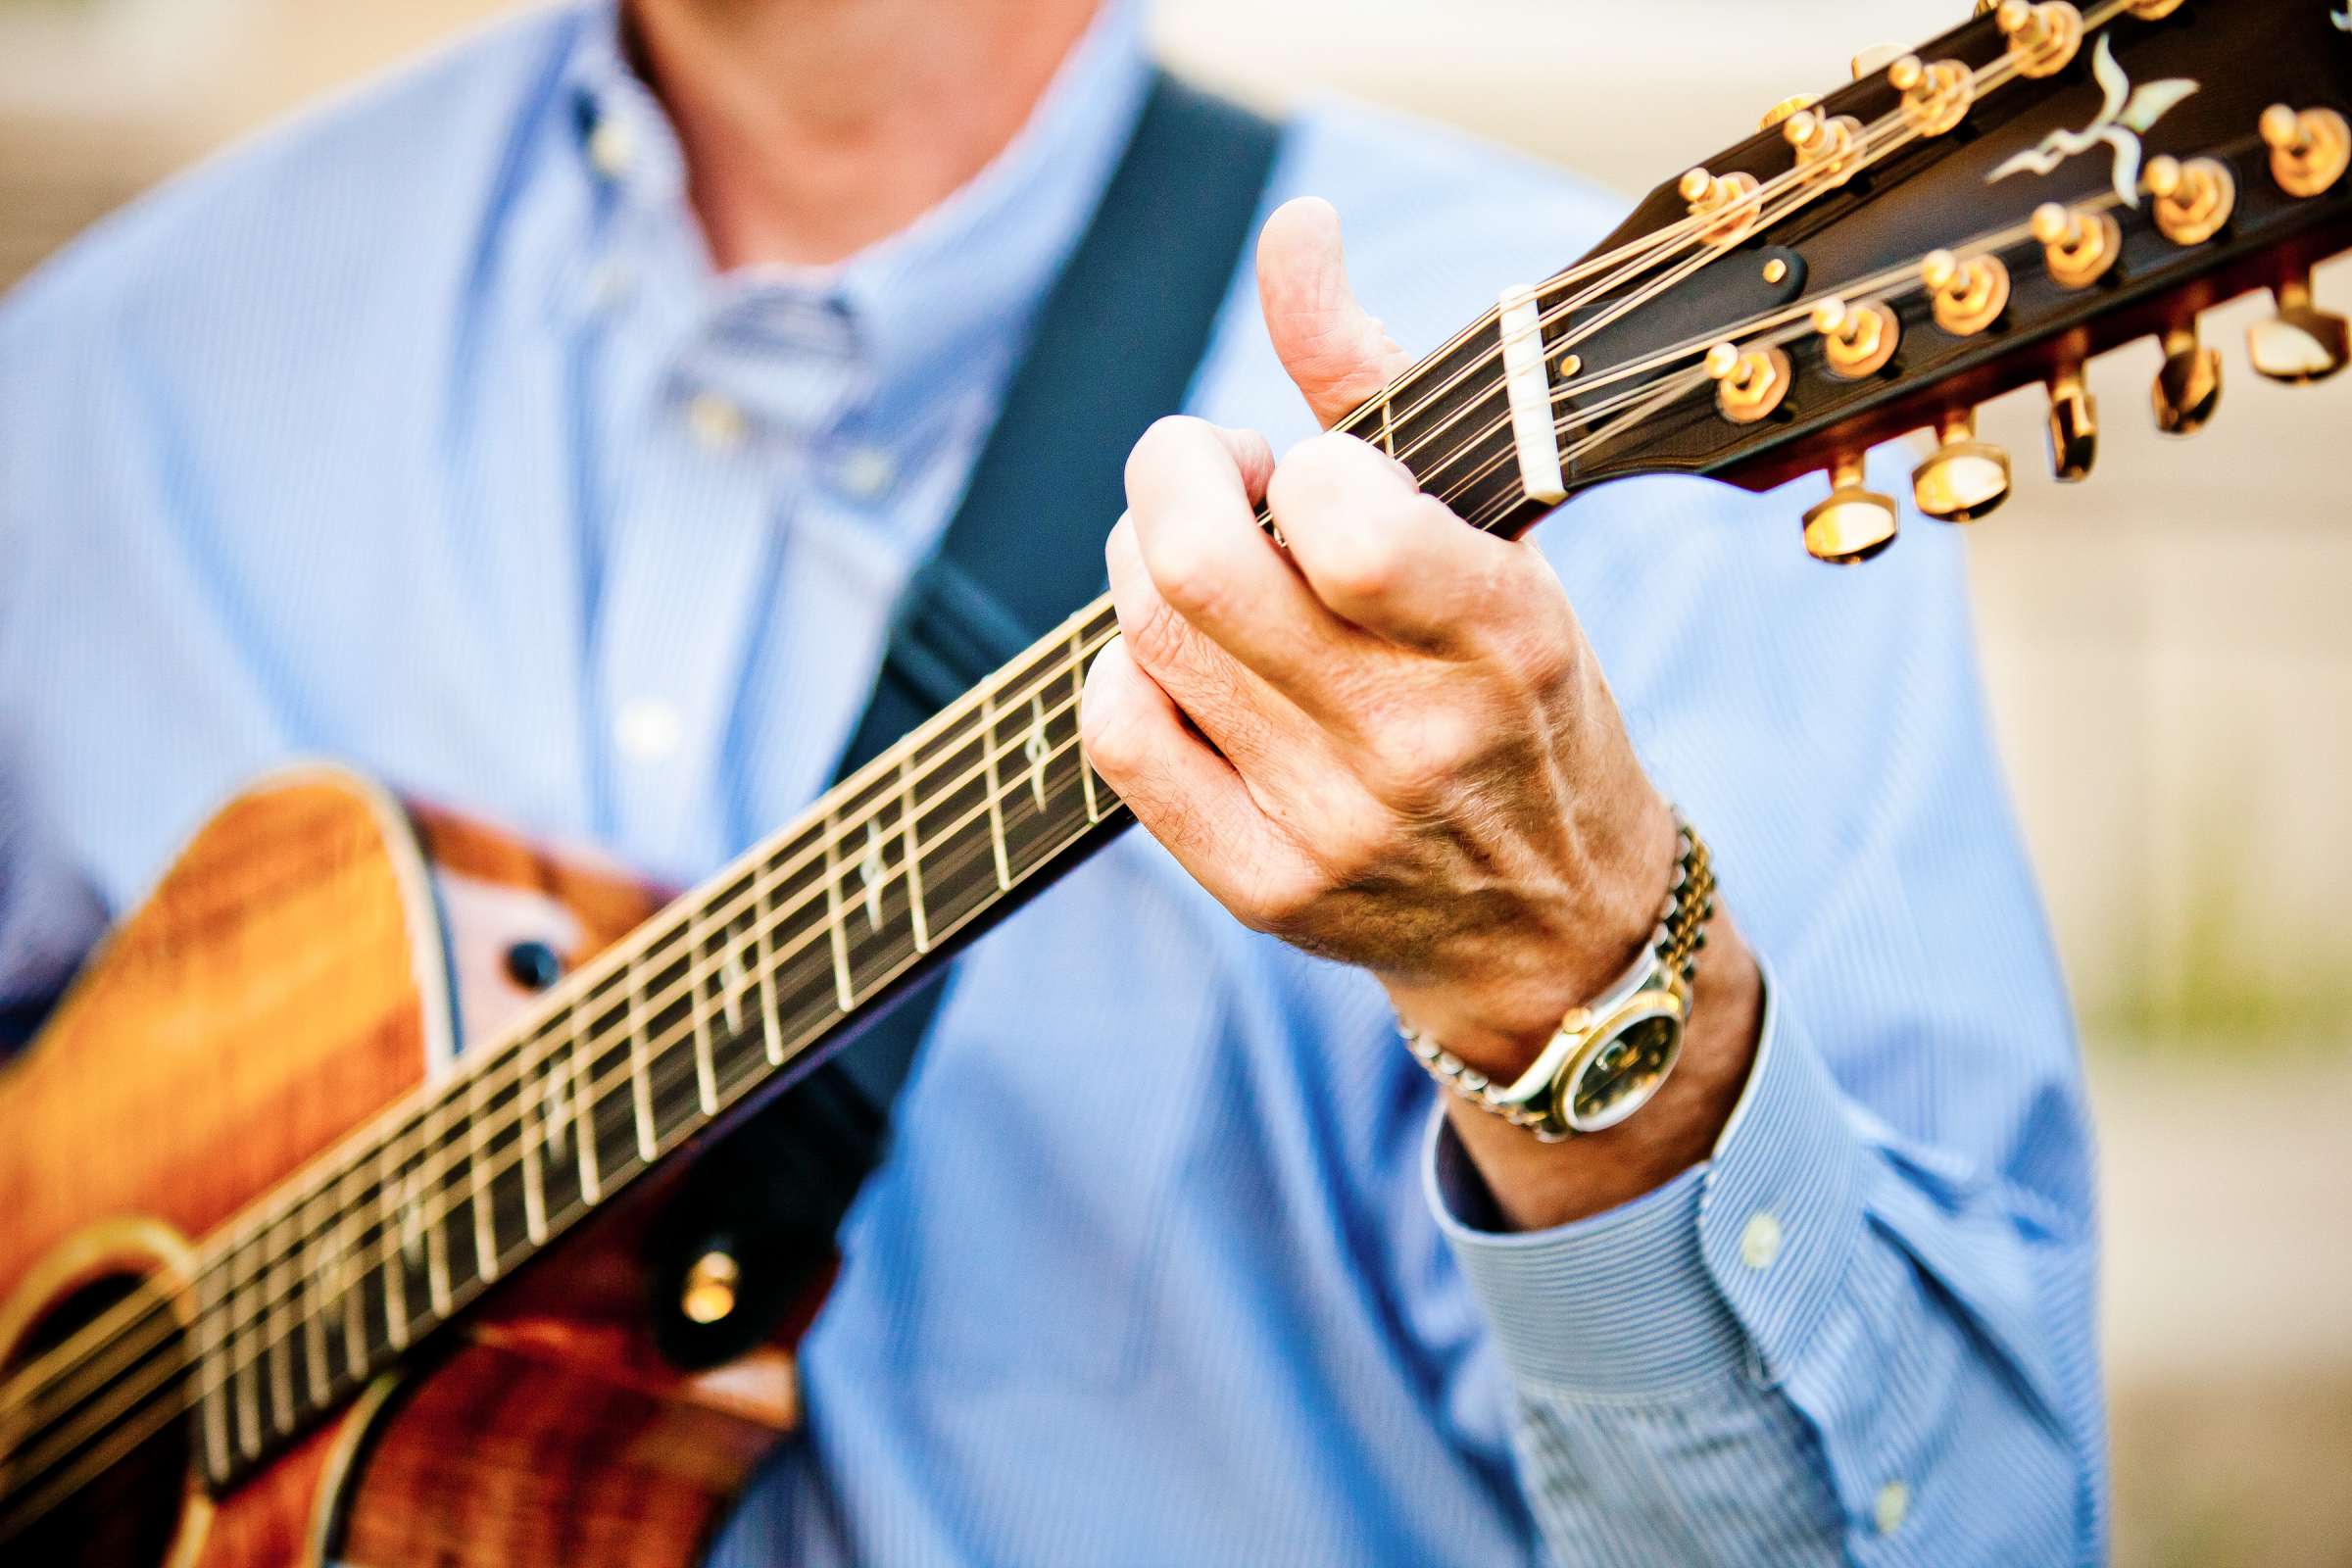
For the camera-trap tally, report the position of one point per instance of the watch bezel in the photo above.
(1660, 998)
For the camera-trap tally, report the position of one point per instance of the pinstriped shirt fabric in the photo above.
(419, 434)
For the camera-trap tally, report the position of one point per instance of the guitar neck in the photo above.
(736, 987)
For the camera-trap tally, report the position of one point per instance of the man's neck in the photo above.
(813, 128)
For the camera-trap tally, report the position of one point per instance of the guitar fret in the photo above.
(211, 1359)
(995, 804)
(245, 1402)
(390, 1244)
(531, 1112)
(706, 1072)
(478, 1168)
(317, 1249)
(914, 862)
(342, 1261)
(579, 1115)
(281, 1347)
(641, 1086)
(1077, 664)
(839, 939)
(768, 970)
(429, 1197)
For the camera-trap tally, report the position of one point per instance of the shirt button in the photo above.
(867, 472)
(648, 731)
(717, 423)
(611, 146)
(1761, 1240)
(1891, 1504)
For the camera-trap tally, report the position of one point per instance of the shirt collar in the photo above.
(975, 266)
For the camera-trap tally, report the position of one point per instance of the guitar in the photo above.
(346, 1296)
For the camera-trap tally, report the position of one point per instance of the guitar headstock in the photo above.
(1992, 210)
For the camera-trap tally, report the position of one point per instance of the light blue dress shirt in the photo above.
(422, 434)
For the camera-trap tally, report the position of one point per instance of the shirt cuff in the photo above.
(1736, 1260)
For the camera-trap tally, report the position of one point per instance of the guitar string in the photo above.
(245, 1362)
(1387, 398)
(445, 1140)
(1997, 69)
(260, 1221)
(835, 884)
(843, 836)
(382, 1229)
(250, 1360)
(377, 1237)
(248, 1356)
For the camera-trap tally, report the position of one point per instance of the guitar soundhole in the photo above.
(94, 1467)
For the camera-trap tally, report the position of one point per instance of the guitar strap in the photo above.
(1121, 335)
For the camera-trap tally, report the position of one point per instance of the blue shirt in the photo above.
(422, 434)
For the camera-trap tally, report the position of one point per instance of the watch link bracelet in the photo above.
(1608, 1057)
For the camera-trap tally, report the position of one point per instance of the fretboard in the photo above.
(752, 974)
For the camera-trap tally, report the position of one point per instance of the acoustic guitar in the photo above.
(284, 1278)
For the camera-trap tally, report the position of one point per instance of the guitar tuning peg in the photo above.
(1787, 107)
(2300, 343)
(2189, 387)
(1853, 524)
(2074, 428)
(1966, 478)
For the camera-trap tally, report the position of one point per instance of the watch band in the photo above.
(1609, 1056)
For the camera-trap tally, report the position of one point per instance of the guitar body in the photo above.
(309, 959)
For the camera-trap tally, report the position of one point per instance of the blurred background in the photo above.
(2169, 650)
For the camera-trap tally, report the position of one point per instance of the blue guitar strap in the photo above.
(1024, 550)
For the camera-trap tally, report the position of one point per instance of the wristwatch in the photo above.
(1610, 1055)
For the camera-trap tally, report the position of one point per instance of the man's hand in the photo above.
(1391, 745)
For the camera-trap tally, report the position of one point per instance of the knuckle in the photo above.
(1188, 575)
(1109, 725)
(1418, 764)
(1169, 438)
(1280, 902)
(1367, 565)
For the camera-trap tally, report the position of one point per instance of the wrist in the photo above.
(1499, 1015)
(1537, 1185)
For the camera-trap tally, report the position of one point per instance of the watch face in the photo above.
(1625, 1067)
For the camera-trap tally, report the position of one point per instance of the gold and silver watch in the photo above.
(1610, 1055)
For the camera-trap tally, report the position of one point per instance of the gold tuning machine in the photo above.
(1857, 340)
(2078, 247)
(1969, 295)
(1853, 524)
(1936, 97)
(1749, 384)
(2193, 199)
(1728, 194)
(2042, 38)
(1824, 144)
(2074, 428)
(1966, 478)
(1787, 107)
(2308, 150)
(2189, 387)
(2300, 343)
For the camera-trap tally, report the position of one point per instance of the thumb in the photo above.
(1338, 355)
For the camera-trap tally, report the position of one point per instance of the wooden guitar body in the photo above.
(311, 956)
